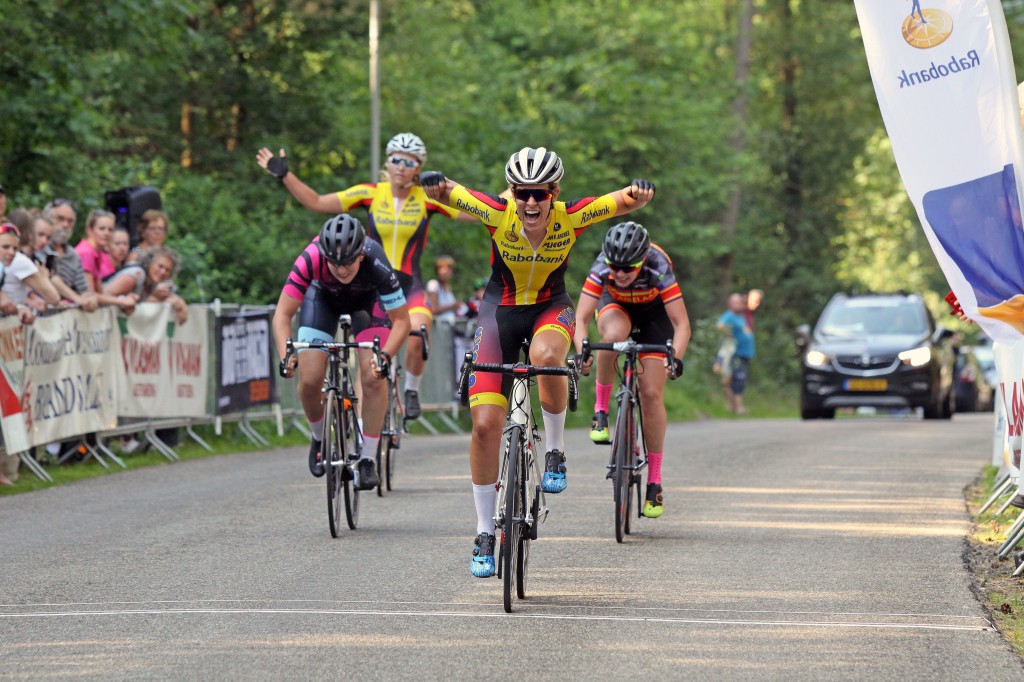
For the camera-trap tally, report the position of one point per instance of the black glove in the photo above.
(676, 370)
(639, 184)
(385, 364)
(432, 179)
(278, 166)
(282, 368)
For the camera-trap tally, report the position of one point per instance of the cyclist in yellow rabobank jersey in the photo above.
(398, 218)
(531, 236)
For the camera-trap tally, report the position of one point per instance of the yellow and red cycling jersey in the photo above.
(520, 274)
(403, 233)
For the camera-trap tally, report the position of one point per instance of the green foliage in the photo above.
(180, 94)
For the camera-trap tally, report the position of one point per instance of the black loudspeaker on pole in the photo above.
(129, 203)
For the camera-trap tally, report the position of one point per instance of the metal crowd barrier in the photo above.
(438, 400)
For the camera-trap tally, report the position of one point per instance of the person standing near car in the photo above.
(733, 324)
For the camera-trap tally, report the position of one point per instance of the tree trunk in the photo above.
(730, 218)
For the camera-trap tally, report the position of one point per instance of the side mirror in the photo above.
(802, 336)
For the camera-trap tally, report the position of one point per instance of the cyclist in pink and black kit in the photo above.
(340, 272)
(634, 292)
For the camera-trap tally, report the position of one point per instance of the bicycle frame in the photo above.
(520, 413)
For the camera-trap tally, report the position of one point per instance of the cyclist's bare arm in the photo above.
(637, 195)
(307, 196)
(282, 326)
(585, 309)
(677, 315)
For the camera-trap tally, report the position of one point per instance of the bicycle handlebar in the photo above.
(331, 347)
(632, 348)
(519, 369)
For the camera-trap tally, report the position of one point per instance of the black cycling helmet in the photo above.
(626, 243)
(341, 239)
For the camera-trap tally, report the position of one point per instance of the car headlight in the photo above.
(815, 358)
(916, 357)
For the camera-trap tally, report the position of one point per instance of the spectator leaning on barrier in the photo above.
(151, 280)
(70, 277)
(21, 275)
(152, 230)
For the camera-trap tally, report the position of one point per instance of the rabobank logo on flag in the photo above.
(943, 73)
(926, 28)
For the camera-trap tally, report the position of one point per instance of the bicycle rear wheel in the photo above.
(511, 532)
(382, 451)
(351, 437)
(334, 459)
(623, 478)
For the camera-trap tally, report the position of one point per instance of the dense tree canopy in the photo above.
(181, 94)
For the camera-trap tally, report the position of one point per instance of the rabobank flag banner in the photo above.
(165, 363)
(945, 82)
(71, 375)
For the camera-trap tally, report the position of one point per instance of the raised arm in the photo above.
(438, 187)
(637, 195)
(306, 195)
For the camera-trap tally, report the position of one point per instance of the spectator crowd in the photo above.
(41, 272)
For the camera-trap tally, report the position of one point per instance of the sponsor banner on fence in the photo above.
(71, 375)
(12, 378)
(245, 377)
(165, 364)
(947, 91)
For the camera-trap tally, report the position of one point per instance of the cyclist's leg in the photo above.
(487, 407)
(613, 324)
(368, 324)
(653, 328)
(419, 313)
(318, 321)
(553, 331)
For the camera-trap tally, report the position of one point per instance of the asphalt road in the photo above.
(789, 550)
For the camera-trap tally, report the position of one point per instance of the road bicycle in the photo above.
(394, 419)
(521, 505)
(629, 450)
(342, 436)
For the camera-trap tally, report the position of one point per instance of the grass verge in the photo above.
(998, 590)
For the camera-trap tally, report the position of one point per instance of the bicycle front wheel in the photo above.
(351, 439)
(393, 431)
(622, 446)
(334, 460)
(511, 532)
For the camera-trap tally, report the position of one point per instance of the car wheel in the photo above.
(933, 410)
(807, 413)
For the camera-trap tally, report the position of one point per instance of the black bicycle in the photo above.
(629, 450)
(520, 507)
(394, 419)
(341, 437)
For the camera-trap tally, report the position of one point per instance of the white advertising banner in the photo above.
(12, 378)
(165, 364)
(71, 375)
(1010, 365)
(947, 91)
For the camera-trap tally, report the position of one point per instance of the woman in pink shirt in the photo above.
(99, 227)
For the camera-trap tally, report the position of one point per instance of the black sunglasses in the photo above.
(345, 262)
(538, 195)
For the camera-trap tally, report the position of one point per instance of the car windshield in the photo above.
(859, 317)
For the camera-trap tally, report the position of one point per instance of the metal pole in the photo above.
(374, 93)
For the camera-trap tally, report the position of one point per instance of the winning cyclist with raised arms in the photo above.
(525, 298)
(634, 292)
(341, 271)
(399, 214)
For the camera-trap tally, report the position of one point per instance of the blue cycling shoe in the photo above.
(554, 480)
(482, 563)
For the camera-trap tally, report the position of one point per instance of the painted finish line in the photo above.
(735, 617)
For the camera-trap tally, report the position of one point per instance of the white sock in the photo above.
(485, 497)
(317, 428)
(554, 430)
(412, 381)
(369, 450)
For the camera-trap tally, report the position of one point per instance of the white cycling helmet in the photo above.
(407, 143)
(533, 167)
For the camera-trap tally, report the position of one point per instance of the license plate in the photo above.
(867, 384)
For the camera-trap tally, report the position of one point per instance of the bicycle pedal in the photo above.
(610, 475)
(346, 473)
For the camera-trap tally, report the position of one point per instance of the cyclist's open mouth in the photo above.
(531, 218)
